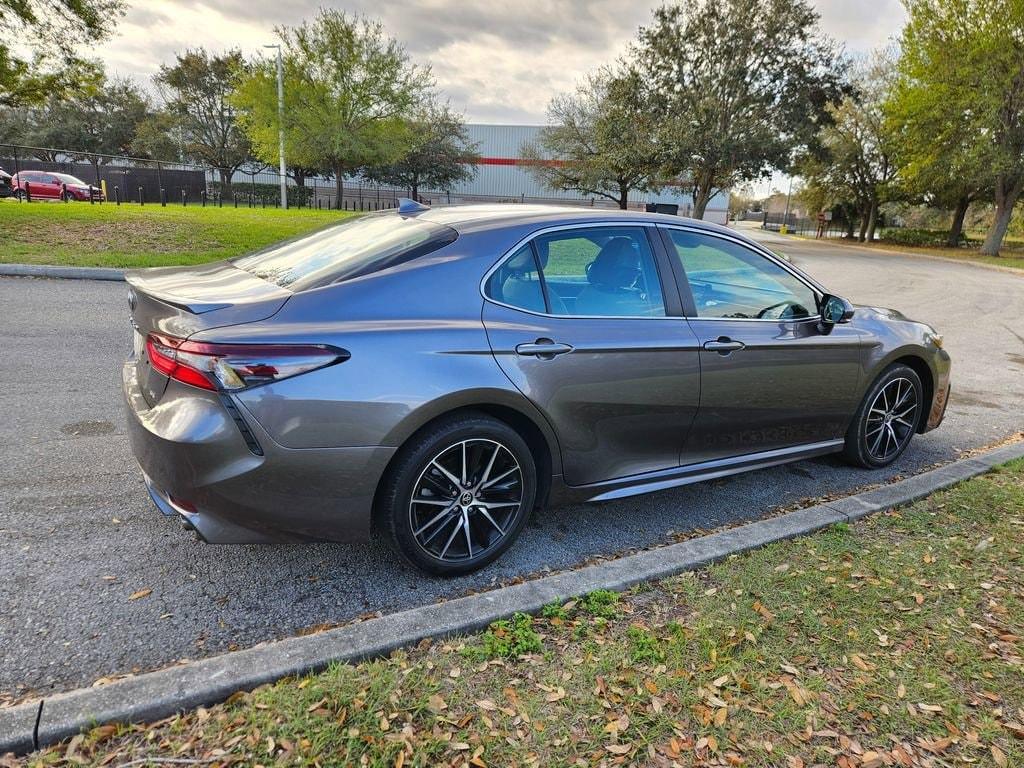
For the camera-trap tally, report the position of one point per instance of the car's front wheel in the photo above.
(458, 494)
(887, 418)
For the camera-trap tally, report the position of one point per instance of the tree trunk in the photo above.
(623, 196)
(225, 178)
(339, 185)
(415, 188)
(1008, 191)
(300, 177)
(872, 220)
(865, 213)
(957, 228)
(701, 197)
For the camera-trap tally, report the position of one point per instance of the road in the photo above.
(78, 535)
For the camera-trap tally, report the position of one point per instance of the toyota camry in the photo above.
(439, 375)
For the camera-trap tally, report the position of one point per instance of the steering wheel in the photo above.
(781, 315)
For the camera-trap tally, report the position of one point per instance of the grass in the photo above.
(1011, 254)
(144, 236)
(895, 641)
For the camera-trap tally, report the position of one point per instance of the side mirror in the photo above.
(833, 310)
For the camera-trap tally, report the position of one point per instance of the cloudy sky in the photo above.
(499, 61)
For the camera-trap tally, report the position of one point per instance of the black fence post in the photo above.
(184, 197)
(163, 197)
(63, 191)
(117, 195)
(142, 196)
(202, 197)
(28, 192)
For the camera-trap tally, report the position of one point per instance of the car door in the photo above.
(45, 186)
(771, 376)
(587, 324)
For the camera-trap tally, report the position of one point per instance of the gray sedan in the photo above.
(439, 374)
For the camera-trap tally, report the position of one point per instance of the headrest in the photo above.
(522, 263)
(616, 265)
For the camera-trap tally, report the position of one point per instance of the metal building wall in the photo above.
(502, 175)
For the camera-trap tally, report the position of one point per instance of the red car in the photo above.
(47, 185)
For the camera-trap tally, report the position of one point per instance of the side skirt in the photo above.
(635, 485)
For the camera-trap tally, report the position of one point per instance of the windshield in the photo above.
(344, 251)
(68, 179)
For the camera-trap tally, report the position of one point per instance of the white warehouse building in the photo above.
(503, 175)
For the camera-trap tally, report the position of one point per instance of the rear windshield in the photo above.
(344, 251)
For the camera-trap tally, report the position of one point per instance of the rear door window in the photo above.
(583, 272)
(346, 251)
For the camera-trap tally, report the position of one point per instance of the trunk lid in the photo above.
(180, 301)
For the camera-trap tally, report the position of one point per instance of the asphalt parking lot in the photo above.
(79, 536)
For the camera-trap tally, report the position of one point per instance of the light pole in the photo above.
(280, 125)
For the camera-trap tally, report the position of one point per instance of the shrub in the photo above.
(243, 191)
(921, 238)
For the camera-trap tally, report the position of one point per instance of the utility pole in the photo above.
(280, 125)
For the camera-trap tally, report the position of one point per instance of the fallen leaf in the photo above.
(140, 594)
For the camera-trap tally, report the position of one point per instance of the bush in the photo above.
(243, 191)
(921, 238)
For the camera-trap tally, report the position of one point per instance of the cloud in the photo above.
(496, 61)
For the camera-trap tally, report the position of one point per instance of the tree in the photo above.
(963, 74)
(439, 154)
(157, 137)
(50, 30)
(349, 91)
(738, 85)
(855, 163)
(600, 141)
(101, 117)
(197, 90)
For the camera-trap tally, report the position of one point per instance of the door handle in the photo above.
(545, 349)
(723, 345)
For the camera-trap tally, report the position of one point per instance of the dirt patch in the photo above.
(149, 235)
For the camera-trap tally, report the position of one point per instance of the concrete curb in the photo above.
(62, 273)
(156, 695)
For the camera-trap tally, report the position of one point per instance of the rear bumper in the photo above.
(198, 464)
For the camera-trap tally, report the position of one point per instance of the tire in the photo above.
(886, 420)
(20, 195)
(443, 526)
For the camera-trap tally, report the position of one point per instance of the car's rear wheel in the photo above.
(458, 495)
(887, 418)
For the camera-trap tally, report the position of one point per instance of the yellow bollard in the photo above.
(784, 230)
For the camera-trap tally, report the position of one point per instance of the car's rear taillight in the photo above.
(235, 366)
